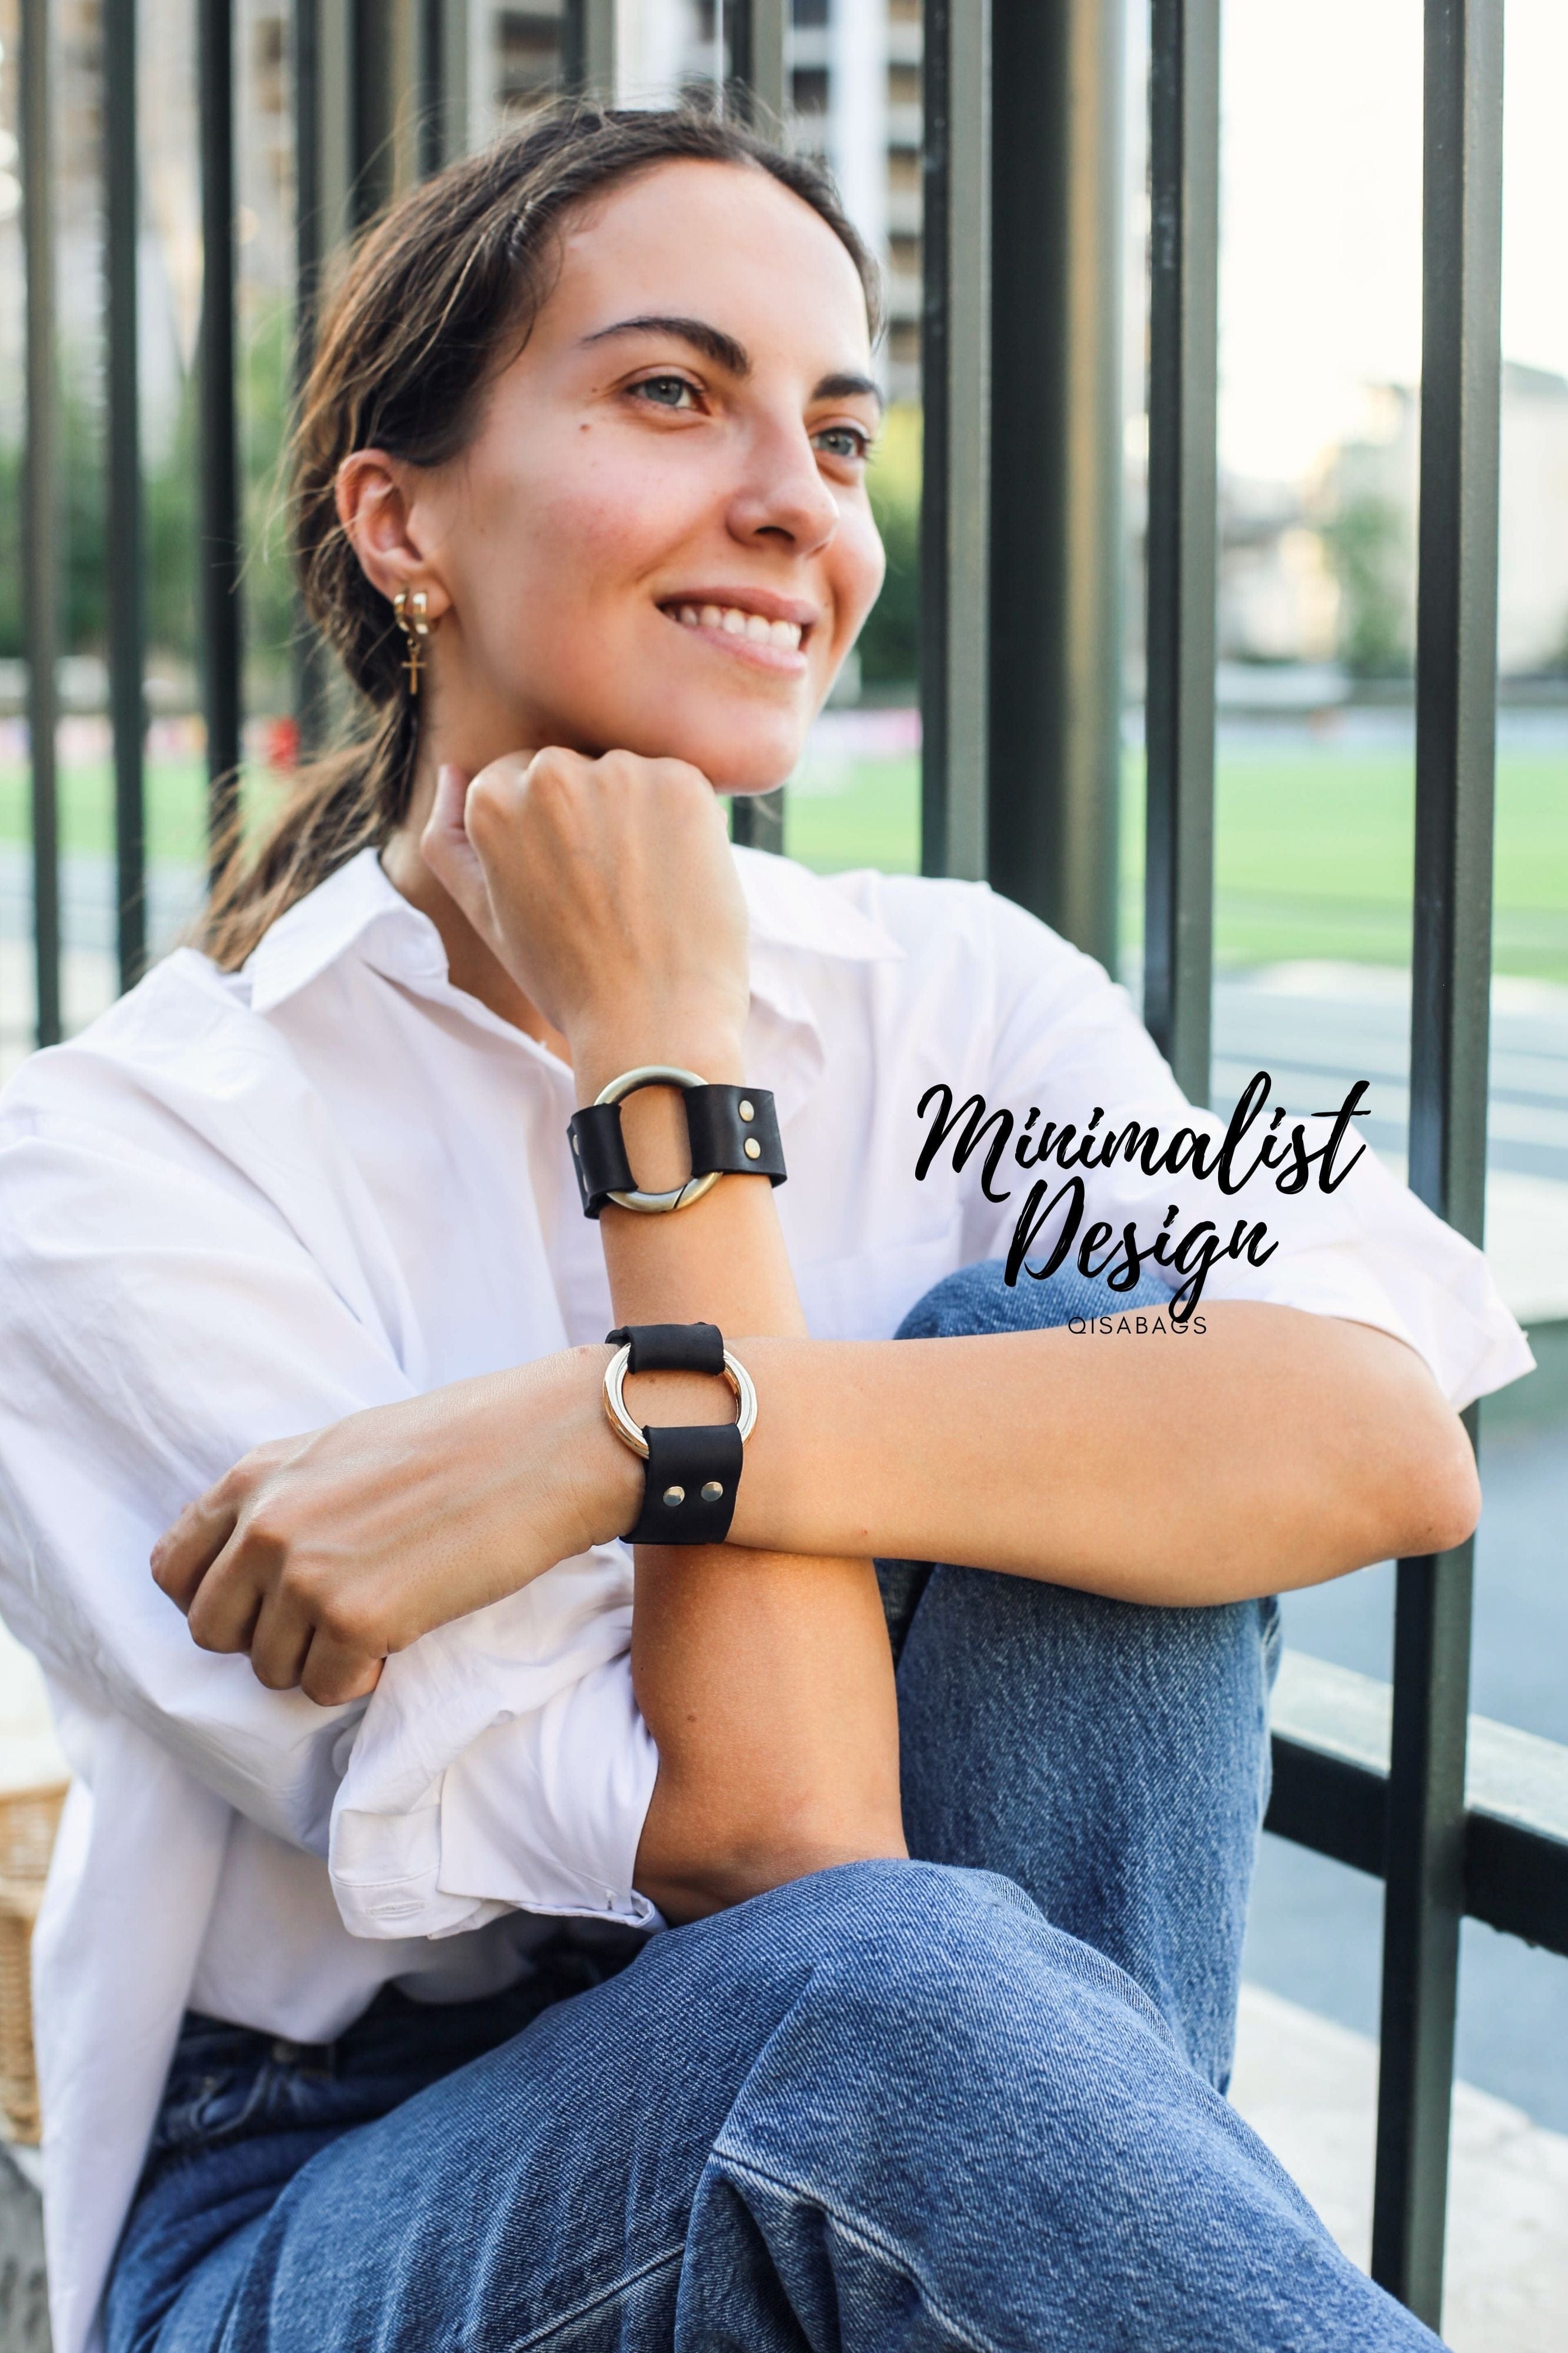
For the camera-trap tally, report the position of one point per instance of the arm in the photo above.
(767, 1680)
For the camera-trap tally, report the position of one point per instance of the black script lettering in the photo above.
(1031, 1217)
(1126, 1274)
(1184, 1145)
(1253, 1257)
(1097, 1235)
(1254, 1095)
(1204, 1238)
(947, 1119)
(1082, 1158)
(1296, 1177)
(1020, 1152)
(1347, 1111)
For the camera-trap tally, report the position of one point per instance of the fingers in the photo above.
(335, 1672)
(224, 1610)
(183, 1554)
(447, 849)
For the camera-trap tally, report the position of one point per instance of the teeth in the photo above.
(735, 623)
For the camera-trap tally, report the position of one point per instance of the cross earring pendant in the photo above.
(410, 613)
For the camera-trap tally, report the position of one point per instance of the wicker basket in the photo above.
(28, 1820)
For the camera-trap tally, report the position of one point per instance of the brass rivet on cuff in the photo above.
(713, 1492)
(747, 1110)
(753, 1149)
(673, 1495)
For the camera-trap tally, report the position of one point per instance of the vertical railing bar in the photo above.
(453, 81)
(308, 656)
(1183, 301)
(589, 60)
(756, 91)
(1456, 697)
(955, 369)
(40, 559)
(432, 72)
(127, 652)
(758, 88)
(222, 639)
(373, 100)
(1056, 458)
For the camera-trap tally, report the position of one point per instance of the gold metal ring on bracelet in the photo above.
(626, 1429)
(680, 1196)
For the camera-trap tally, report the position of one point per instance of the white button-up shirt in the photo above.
(241, 1206)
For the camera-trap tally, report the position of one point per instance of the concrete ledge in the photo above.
(1309, 2088)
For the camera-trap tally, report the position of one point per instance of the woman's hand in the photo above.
(607, 891)
(321, 1556)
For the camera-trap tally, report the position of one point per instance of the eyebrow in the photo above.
(732, 356)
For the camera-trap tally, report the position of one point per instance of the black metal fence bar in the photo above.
(443, 82)
(40, 566)
(372, 80)
(127, 607)
(1514, 1874)
(589, 51)
(1455, 665)
(221, 551)
(955, 370)
(757, 89)
(758, 86)
(1056, 426)
(1183, 533)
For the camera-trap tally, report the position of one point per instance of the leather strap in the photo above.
(693, 1470)
(733, 1131)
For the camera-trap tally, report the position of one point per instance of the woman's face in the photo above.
(659, 540)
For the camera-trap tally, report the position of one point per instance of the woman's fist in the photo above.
(607, 891)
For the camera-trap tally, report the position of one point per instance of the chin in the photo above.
(751, 753)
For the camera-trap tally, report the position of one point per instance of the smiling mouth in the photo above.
(735, 621)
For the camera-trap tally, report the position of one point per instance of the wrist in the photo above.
(602, 1481)
(710, 1046)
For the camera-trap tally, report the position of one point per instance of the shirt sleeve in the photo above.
(161, 1314)
(1068, 1042)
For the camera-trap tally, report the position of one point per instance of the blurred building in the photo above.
(1368, 500)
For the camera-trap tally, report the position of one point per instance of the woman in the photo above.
(582, 503)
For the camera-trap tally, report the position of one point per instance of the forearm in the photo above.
(1276, 1449)
(765, 1679)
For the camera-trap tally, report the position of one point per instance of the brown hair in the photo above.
(440, 292)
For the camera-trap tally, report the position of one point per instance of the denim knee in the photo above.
(911, 1940)
(978, 1299)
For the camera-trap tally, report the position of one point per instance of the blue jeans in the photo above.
(968, 2101)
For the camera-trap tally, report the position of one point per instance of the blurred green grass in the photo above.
(1314, 846)
(1313, 851)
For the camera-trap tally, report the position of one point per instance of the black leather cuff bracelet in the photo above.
(733, 1131)
(693, 1472)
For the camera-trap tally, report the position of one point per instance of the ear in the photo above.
(377, 510)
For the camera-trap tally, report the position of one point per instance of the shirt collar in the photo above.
(794, 915)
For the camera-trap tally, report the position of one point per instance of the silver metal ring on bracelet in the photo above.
(680, 1196)
(626, 1429)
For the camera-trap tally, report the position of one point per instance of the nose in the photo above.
(783, 497)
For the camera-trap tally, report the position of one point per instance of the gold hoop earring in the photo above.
(412, 613)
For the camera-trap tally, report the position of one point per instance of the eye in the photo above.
(665, 391)
(846, 441)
